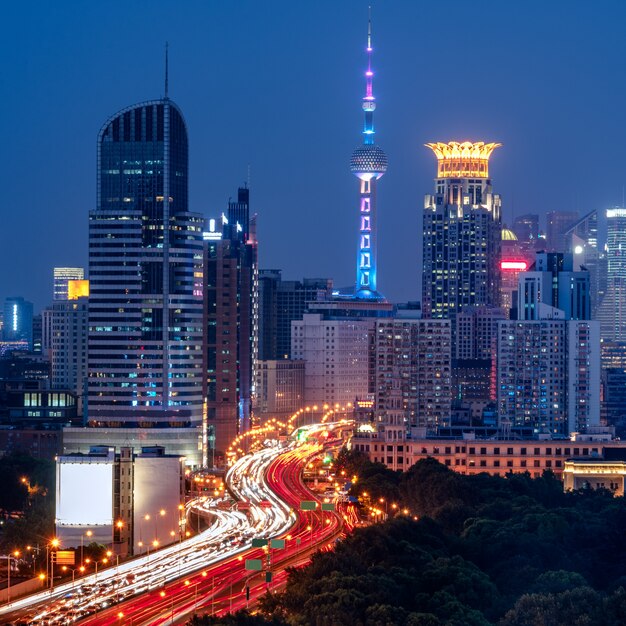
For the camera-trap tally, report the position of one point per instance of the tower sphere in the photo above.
(368, 161)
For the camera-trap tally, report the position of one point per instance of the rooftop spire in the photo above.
(369, 103)
(167, 69)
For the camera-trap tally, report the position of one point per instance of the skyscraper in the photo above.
(62, 275)
(281, 302)
(231, 318)
(368, 164)
(548, 360)
(18, 321)
(145, 266)
(612, 311)
(65, 328)
(462, 238)
(557, 225)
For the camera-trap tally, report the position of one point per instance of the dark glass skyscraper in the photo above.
(145, 269)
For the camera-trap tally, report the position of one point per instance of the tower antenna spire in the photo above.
(167, 69)
(368, 164)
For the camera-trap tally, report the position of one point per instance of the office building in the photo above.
(18, 321)
(145, 267)
(583, 242)
(526, 229)
(515, 258)
(129, 501)
(462, 233)
(368, 163)
(281, 302)
(62, 275)
(231, 319)
(554, 282)
(557, 225)
(612, 310)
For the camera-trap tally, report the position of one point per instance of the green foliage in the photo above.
(26, 501)
(485, 550)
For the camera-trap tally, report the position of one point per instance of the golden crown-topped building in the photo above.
(462, 232)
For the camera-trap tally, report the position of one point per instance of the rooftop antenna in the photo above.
(248, 178)
(167, 68)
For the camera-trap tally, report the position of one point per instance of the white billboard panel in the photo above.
(84, 494)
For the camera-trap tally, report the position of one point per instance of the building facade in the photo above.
(62, 276)
(497, 457)
(18, 321)
(281, 302)
(231, 323)
(548, 360)
(462, 233)
(337, 354)
(145, 267)
(412, 376)
(279, 388)
(66, 325)
(612, 310)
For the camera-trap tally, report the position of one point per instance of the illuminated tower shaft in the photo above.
(368, 164)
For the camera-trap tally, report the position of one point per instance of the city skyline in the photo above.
(283, 128)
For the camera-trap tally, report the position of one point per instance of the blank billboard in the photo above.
(84, 494)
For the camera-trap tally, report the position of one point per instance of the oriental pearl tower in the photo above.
(368, 163)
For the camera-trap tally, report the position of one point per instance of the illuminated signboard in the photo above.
(520, 266)
(85, 494)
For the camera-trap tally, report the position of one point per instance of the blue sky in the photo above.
(277, 86)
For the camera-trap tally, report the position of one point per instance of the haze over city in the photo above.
(274, 89)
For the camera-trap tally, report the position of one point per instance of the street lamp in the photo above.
(80, 569)
(55, 543)
(13, 556)
(89, 533)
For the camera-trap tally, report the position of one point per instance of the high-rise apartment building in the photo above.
(145, 268)
(62, 275)
(279, 388)
(336, 353)
(612, 311)
(18, 321)
(462, 232)
(548, 360)
(231, 322)
(65, 326)
(412, 375)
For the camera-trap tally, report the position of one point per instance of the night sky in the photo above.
(277, 87)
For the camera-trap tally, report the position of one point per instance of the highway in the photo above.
(204, 573)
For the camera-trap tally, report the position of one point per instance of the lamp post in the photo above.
(13, 556)
(89, 533)
(80, 569)
(55, 543)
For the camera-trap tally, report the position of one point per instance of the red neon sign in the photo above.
(513, 265)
